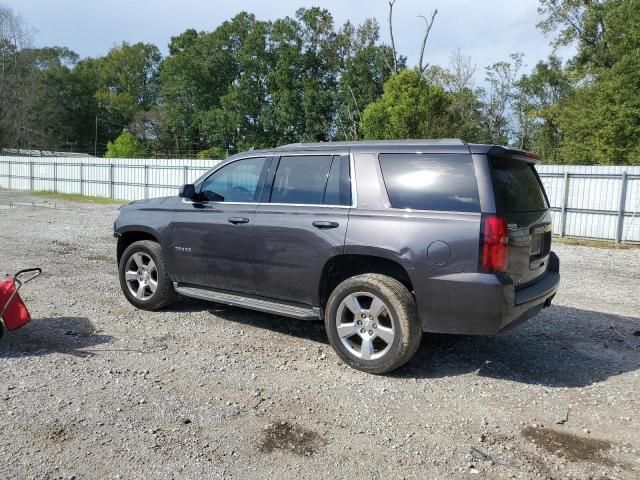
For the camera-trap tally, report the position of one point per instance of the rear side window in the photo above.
(312, 180)
(516, 186)
(443, 182)
(338, 191)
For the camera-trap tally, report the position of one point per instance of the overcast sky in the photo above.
(487, 30)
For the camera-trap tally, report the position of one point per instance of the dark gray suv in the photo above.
(381, 240)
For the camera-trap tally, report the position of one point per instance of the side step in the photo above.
(260, 304)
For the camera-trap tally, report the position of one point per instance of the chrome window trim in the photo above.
(352, 169)
(319, 153)
(352, 174)
(305, 205)
(263, 203)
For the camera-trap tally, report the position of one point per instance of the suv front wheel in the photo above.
(372, 323)
(143, 276)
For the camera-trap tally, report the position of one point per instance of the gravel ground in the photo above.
(93, 388)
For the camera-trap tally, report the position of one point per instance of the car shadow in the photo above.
(561, 347)
(43, 336)
(309, 330)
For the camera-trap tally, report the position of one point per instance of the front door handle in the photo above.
(238, 220)
(325, 225)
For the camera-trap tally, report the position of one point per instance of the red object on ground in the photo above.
(16, 314)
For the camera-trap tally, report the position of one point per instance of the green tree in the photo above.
(194, 77)
(600, 120)
(363, 71)
(214, 153)
(16, 78)
(577, 21)
(240, 120)
(303, 76)
(466, 99)
(125, 146)
(500, 123)
(128, 84)
(600, 123)
(52, 105)
(538, 95)
(410, 107)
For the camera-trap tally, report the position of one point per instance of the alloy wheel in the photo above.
(141, 275)
(365, 325)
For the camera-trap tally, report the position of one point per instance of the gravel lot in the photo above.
(93, 388)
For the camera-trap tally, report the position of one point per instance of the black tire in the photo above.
(403, 317)
(164, 294)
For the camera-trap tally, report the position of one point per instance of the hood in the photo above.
(149, 203)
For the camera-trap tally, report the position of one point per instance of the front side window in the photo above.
(442, 182)
(237, 182)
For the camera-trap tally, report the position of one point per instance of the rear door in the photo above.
(300, 224)
(520, 198)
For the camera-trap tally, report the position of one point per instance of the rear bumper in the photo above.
(483, 304)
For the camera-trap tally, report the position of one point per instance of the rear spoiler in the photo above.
(513, 154)
(506, 153)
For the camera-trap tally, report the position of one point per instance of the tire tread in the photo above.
(402, 301)
(166, 294)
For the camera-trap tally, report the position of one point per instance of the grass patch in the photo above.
(587, 242)
(73, 197)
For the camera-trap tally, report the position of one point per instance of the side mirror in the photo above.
(188, 191)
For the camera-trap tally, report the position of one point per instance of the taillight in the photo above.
(495, 243)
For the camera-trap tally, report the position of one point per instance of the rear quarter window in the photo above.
(516, 186)
(442, 182)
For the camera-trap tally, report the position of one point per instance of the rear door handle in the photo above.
(238, 220)
(325, 225)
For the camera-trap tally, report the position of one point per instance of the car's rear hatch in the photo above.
(520, 198)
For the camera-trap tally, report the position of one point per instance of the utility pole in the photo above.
(95, 144)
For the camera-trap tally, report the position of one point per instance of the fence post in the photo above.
(31, 175)
(81, 178)
(111, 180)
(9, 176)
(565, 202)
(55, 177)
(146, 181)
(185, 175)
(621, 207)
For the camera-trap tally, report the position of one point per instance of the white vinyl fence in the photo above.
(601, 202)
(598, 202)
(120, 178)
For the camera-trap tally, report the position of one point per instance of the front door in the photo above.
(211, 236)
(301, 223)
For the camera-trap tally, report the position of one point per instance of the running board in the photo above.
(253, 303)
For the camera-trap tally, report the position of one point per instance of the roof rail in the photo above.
(431, 141)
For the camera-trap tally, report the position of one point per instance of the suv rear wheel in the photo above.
(372, 323)
(143, 276)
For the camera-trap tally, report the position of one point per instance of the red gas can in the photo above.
(15, 313)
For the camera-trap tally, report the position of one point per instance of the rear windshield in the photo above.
(517, 187)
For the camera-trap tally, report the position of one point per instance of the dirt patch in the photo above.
(290, 438)
(57, 432)
(63, 248)
(101, 258)
(568, 445)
